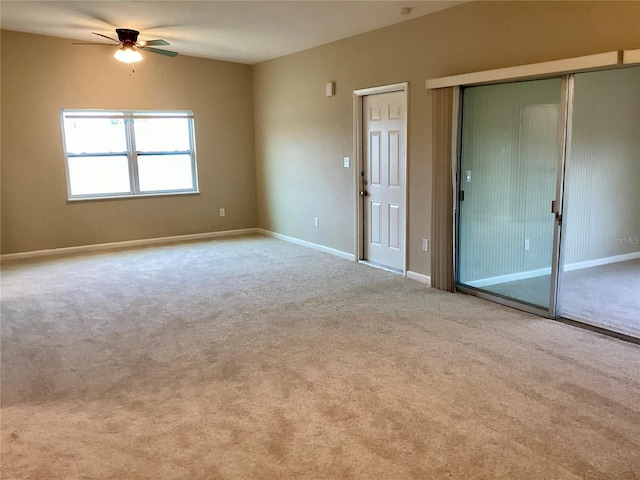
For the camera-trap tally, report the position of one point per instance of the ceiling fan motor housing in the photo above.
(127, 36)
(128, 41)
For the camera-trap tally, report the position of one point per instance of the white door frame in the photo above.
(358, 96)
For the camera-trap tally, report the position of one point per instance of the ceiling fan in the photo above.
(129, 45)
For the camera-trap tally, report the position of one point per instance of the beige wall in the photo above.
(41, 75)
(301, 135)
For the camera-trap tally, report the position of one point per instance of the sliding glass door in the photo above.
(601, 228)
(512, 143)
(548, 207)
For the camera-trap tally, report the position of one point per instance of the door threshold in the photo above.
(382, 267)
(601, 330)
(535, 310)
(502, 300)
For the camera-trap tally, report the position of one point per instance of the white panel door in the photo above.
(384, 166)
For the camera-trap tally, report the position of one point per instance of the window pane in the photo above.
(601, 218)
(510, 146)
(99, 175)
(93, 113)
(95, 135)
(165, 172)
(162, 134)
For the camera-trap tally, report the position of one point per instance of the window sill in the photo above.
(129, 197)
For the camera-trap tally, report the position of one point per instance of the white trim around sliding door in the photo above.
(631, 57)
(554, 68)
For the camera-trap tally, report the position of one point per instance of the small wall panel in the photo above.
(395, 111)
(394, 226)
(374, 157)
(394, 158)
(375, 210)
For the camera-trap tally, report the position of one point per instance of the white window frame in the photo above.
(132, 153)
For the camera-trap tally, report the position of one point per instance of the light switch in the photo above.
(468, 176)
(347, 162)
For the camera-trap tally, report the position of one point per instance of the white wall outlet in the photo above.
(316, 221)
(222, 212)
(346, 161)
(425, 245)
(527, 244)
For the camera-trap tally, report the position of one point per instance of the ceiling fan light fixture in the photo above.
(127, 54)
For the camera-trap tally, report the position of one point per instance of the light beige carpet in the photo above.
(606, 296)
(250, 358)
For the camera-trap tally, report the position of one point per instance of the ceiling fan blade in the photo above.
(101, 35)
(168, 53)
(95, 43)
(159, 41)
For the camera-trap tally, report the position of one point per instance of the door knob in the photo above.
(364, 193)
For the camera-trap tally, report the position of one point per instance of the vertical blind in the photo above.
(442, 274)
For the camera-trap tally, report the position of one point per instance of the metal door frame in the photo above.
(564, 133)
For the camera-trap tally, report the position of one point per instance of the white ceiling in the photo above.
(234, 30)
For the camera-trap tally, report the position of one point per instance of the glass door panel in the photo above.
(511, 148)
(601, 219)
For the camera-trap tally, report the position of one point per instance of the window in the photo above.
(125, 153)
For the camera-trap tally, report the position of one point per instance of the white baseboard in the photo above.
(512, 277)
(484, 282)
(304, 243)
(125, 244)
(601, 261)
(418, 277)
